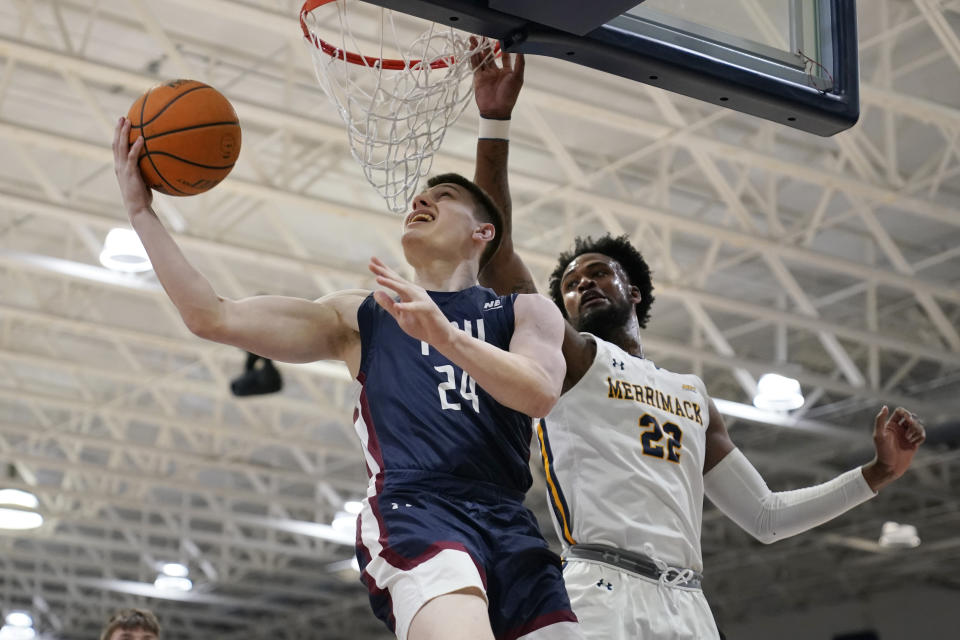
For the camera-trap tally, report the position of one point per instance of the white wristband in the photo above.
(494, 129)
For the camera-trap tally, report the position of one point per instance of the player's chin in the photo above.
(593, 318)
(413, 238)
(600, 319)
(602, 309)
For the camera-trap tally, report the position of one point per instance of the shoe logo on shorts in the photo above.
(601, 584)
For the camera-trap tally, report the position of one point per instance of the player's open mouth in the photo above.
(419, 216)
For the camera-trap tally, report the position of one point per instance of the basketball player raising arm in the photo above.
(448, 373)
(297, 330)
(630, 449)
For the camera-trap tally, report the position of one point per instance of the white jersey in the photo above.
(623, 453)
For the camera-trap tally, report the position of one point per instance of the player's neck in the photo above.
(441, 275)
(625, 336)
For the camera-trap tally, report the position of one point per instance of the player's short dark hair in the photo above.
(630, 260)
(131, 620)
(486, 208)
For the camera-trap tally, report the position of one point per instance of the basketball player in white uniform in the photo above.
(630, 449)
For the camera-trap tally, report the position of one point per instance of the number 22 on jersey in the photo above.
(651, 435)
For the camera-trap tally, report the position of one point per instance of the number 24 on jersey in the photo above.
(448, 376)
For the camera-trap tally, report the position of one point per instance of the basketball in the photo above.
(191, 137)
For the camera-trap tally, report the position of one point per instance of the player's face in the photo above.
(442, 221)
(132, 634)
(596, 293)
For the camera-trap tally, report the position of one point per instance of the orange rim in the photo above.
(356, 58)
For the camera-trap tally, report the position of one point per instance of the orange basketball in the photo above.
(191, 137)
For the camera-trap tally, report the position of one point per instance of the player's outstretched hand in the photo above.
(416, 313)
(896, 437)
(495, 87)
(136, 196)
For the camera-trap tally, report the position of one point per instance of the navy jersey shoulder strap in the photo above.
(368, 320)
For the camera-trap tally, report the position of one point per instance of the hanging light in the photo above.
(19, 626)
(778, 393)
(175, 570)
(19, 619)
(18, 498)
(173, 583)
(17, 510)
(894, 535)
(123, 251)
(353, 506)
(173, 577)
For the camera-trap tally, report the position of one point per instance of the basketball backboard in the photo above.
(790, 61)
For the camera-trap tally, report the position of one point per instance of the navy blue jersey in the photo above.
(418, 411)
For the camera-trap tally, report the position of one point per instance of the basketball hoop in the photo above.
(397, 109)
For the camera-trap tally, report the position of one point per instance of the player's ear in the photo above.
(635, 295)
(485, 231)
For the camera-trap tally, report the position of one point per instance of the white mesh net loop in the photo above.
(396, 109)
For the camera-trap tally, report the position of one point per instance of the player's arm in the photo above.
(496, 89)
(276, 327)
(527, 378)
(739, 491)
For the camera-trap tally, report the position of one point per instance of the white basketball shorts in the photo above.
(613, 604)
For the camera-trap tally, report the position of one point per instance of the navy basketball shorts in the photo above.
(420, 536)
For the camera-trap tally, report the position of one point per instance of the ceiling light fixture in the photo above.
(894, 535)
(353, 506)
(10, 632)
(173, 583)
(175, 570)
(173, 577)
(778, 393)
(19, 619)
(19, 626)
(123, 251)
(17, 510)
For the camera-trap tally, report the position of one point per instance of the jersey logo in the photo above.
(618, 363)
(689, 387)
(601, 584)
(493, 304)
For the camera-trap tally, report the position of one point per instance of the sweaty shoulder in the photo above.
(533, 307)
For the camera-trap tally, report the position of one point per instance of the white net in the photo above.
(396, 99)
